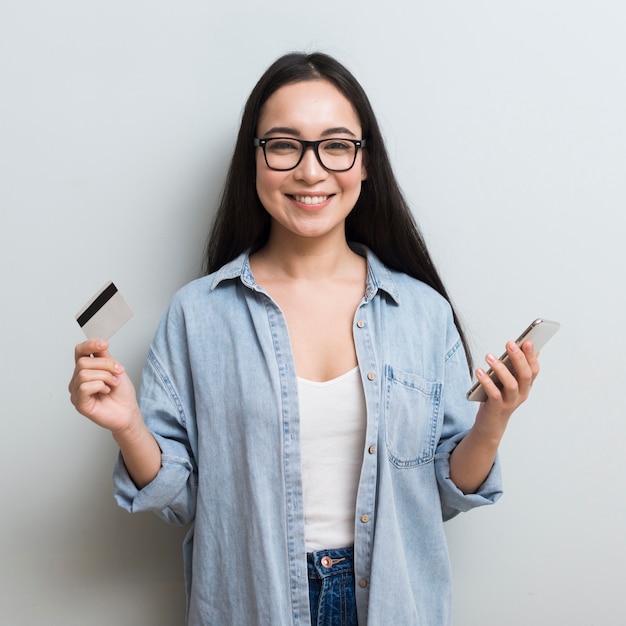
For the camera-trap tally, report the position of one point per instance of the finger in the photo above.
(508, 379)
(107, 364)
(85, 396)
(491, 389)
(87, 382)
(519, 380)
(94, 354)
(82, 395)
(532, 357)
(519, 360)
(87, 376)
(89, 347)
(92, 365)
(526, 365)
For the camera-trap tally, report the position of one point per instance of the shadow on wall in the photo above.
(138, 557)
(97, 564)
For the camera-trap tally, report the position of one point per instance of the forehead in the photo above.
(308, 106)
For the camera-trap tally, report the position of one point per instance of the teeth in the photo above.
(311, 199)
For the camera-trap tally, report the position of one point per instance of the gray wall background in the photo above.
(506, 125)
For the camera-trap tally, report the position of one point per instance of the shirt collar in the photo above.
(379, 277)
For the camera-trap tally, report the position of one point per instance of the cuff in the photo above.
(165, 494)
(453, 500)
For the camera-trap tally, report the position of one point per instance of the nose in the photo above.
(310, 169)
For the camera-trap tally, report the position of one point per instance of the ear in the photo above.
(363, 166)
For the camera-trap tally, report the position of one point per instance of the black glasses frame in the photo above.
(358, 143)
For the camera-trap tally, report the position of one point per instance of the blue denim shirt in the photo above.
(219, 392)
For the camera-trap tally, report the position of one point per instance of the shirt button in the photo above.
(360, 323)
(365, 518)
(362, 582)
(371, 449)
(371, 376)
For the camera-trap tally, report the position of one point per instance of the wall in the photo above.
(506, 124)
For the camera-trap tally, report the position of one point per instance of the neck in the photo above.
(307, 258)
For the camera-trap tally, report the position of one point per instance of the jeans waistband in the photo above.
(325, 563)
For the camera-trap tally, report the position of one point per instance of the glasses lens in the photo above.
(337, 154)
(282, 154)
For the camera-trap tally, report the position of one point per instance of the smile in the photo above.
(311, 199)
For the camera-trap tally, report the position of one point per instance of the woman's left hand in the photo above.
(494, 413)
(472, 460)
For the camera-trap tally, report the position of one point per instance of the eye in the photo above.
(282, 146)
(337, 146)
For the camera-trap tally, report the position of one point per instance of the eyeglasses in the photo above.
(285, 153)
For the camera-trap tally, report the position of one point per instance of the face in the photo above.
(308, 201)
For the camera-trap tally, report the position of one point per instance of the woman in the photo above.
(303, 405)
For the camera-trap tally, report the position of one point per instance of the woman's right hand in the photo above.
(101, 390)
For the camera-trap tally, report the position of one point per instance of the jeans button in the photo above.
(326, 562)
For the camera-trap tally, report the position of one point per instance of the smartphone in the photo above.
(539, 332)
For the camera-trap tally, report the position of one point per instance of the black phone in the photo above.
(539, 332)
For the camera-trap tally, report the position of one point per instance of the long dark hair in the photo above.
(381, 218)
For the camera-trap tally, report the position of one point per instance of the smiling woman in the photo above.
(303, 405)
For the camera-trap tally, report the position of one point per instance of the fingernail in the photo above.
(118, 368)
(490, 358)
(480, 372)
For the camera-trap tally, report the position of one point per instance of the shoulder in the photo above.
(405, 290)
(416, 306)
(213, 286)
(194, 295)
(410, 286)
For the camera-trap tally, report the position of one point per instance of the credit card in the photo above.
(104, 314)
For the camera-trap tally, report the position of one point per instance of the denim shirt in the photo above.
(219, 393)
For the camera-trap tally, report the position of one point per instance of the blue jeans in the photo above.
(331, 587)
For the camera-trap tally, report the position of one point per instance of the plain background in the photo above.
(506, 124)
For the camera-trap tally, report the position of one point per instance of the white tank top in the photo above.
(332, 437)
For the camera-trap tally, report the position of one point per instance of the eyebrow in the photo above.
(329, 132)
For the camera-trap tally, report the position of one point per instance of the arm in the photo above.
(472, 459)
(101, 390)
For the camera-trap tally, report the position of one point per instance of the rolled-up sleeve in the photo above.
(168, 412)
(168, 495)
(459, 415)
(453, 500)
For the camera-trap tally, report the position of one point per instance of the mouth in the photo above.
(310, 200)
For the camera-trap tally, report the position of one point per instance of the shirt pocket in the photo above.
(411, 417)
